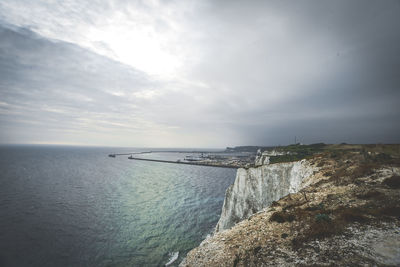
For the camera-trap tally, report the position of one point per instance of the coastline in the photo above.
(346, 210)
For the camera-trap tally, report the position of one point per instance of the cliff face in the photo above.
(256, 188)
(346, 213)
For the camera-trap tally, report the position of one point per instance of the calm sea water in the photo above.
(74, 206)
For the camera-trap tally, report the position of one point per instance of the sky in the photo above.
(208, 73)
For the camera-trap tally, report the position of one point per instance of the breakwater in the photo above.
(187, 163)
(127, 154)
(165, 151)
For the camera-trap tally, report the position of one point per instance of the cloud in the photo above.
(140, 34)
(58, 86)
(53, 91)
(189, 73)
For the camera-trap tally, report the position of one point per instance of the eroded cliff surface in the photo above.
(256, 188)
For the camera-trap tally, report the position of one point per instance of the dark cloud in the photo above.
(329, 66)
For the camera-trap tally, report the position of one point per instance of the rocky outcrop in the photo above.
(256, 188)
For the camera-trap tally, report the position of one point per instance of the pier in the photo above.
(164, 151)
(127, 154)
(187, 163)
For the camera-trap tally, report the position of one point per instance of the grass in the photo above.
(297, 152)
(375, 153)
(285, 158)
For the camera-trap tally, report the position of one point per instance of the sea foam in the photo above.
(173, 256)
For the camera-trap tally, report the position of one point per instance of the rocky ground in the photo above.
(347, 214)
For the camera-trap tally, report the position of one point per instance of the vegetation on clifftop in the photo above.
(379, 153)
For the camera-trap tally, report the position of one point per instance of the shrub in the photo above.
(282, 217)
(318, 230)
(322, 218)
(321, 163)
(391, 211)
(277, 217)
(320, 206)
(338, 175)
(275, 204)
(354, 214)
(364, 170)
(322, 229)
(372, 194)
(393, 182)
(382, 158)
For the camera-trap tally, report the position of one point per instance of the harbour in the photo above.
(223, 159)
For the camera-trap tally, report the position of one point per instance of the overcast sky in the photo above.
(199, 73)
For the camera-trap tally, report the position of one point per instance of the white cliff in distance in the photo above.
(256, 188)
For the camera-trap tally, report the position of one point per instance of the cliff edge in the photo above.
(346, 212)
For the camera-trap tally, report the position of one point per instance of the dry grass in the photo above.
(345, 176)
(319, 223)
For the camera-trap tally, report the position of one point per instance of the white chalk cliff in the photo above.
(256, 188)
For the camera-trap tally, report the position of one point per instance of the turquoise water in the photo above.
(74, 206)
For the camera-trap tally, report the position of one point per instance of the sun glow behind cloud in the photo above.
(144, 36)
(136, 45)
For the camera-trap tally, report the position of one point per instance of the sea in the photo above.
(75, 206)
